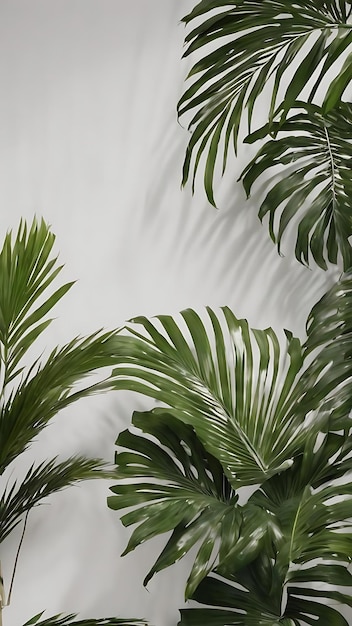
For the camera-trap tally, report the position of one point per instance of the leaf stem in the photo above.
(16, 559)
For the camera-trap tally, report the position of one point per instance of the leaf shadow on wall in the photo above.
(223, 256)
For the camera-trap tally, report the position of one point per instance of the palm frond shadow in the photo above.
(190, 241)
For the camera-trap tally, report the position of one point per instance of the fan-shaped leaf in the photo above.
(186, 492)
(238, 390)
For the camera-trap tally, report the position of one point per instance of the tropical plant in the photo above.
(32, 393)
(250, 460)
(253, 54)
(249, 455)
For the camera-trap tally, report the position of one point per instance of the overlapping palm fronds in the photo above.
(234, 386)
(31, 394)
(184, 489)
(329, 330)
(315, 153)
(241, 411)
(295, 43)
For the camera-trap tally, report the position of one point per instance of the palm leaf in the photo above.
(308, 528)
(49, 387)
(239, 391)
(219, 377)
(329, 330)
(317, 149)
(244, 603)
(330, 320)
(184, 489)
(31, 394)
(70, 620)
(251, 41)
(41, 481)
(27, 270)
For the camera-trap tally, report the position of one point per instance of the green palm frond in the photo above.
(251, 405)
(70, 620)
(184, 489)
(235, 386)
(27, 270)
(308, 544)
(310, 529)
(329, 330)
(251, 41)
(49, 387)
(330, 320)
(31, 394)
(315, 150)
(41, 481)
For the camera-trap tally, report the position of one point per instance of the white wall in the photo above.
(89, 139)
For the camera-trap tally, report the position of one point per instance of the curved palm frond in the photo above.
(239, 391)
(330, 320)
(244, 399)
(184, 490)
(70, 620)
(49, 387)
(32, 394)
(329, 330)
(27, 270)
(316, 152)
(292, 42)
(41, 481)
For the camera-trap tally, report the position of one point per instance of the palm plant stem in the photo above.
(16, 559)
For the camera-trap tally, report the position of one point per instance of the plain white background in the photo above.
(89, 140)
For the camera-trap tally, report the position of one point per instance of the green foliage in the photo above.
(330, 320)
(249, 604)
(250, 461)
(226, 385)
(241, 412)
(41, 481)
(314, 150)
(184, 489)
(249, 53)
(329, 326)
(32, 393)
